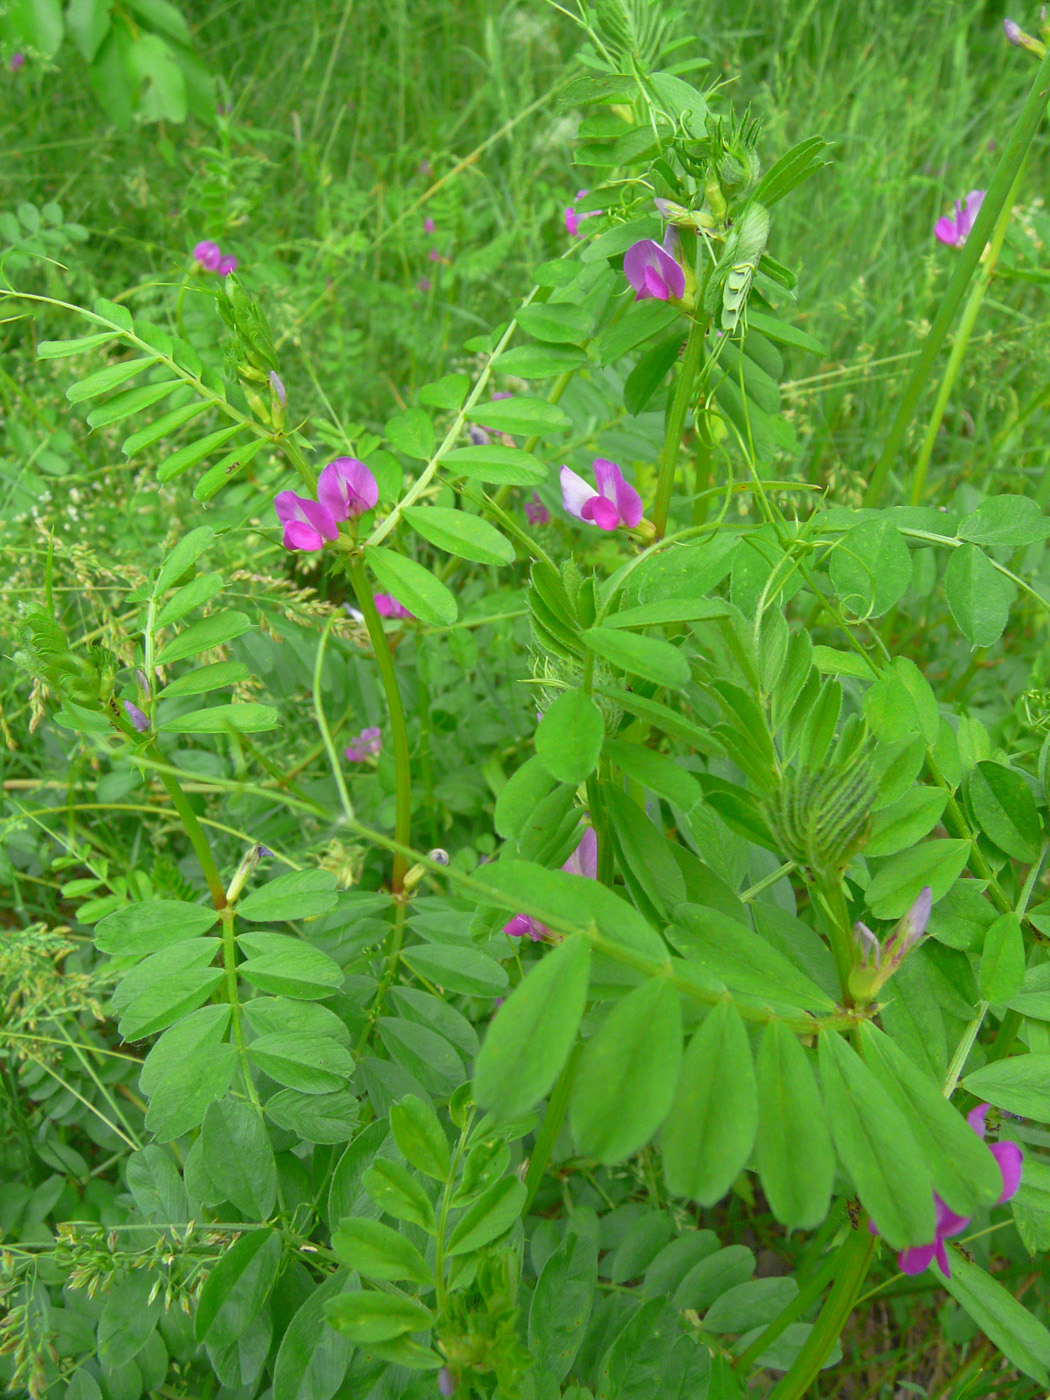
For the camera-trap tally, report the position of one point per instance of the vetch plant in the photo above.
(489, 1006)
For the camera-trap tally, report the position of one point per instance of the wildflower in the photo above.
(955, 231)
(573, 217)
(226, 265)
(653, 269)
(345, 490)
(1013, 32)
(614, 503)
(277, 385)
(1017, 36)
(1009, 1157)
(446, 1382)
(878, 962)
(583, 861)
(208, 254)
(435, 256)
(536, 512)
(429, 225)
(388, 606)
(136, 716)
(364, 745)
(424, 284)
(17, 61)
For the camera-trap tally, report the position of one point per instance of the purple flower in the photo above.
(955, 231)
(446, 1382)
(573, 217)
(364, 745)
(478, 435)
(583, 861)
(136, 716)
(879, 961)
(17, 61)
(919, 1257)
(208, 254)
(277, 385)
(388, 606)
(536, 512)
(347, 488)
(1013, 32)
(614, 503)
(306, 523)
(653, 269)
(227, 265)
(429, 225)
(434, 255)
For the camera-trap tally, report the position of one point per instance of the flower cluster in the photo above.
(1010, 1159)
(210, 257)
(614, 503)
(583, 861)
(346, 489)
(365, 745)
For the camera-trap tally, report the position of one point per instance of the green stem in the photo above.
(229, 963)
(851, 1265)
(194, 830)
(800, 1304)
(962, 341)
(442, 1225)
(998, 192)
(694, 349)
(322, 724)
(832, 903)
(299, 462)
(398, 731)
(550, 1128)
(962, 1050)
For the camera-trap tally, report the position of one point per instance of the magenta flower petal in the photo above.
(976, 1117)
(653, 272)
(917, 1259)
(521, 925)
(136, 716)
(614, 488)
(536, 512)
(226, 265)
(347, 488)
(575, 492)
(208, 254)
(388, 606)
(307, 524)
(1010, 1159)
(602, 513)
(428, 224)
(17, 61)
(584, 859)
(967, 215)
(572, 221)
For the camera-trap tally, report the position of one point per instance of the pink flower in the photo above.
(423, 285)
(653, 269)
(955, 231)
(428, 224)
(583, 861)
(573, 217)
(346, 489)
(536, 512)
(388, 606)
(365, 745)
(208, 254)
(614, 503)
(1009, 1157)
(306, 523)
(226, 265)
(434, 255)
(17, 61)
